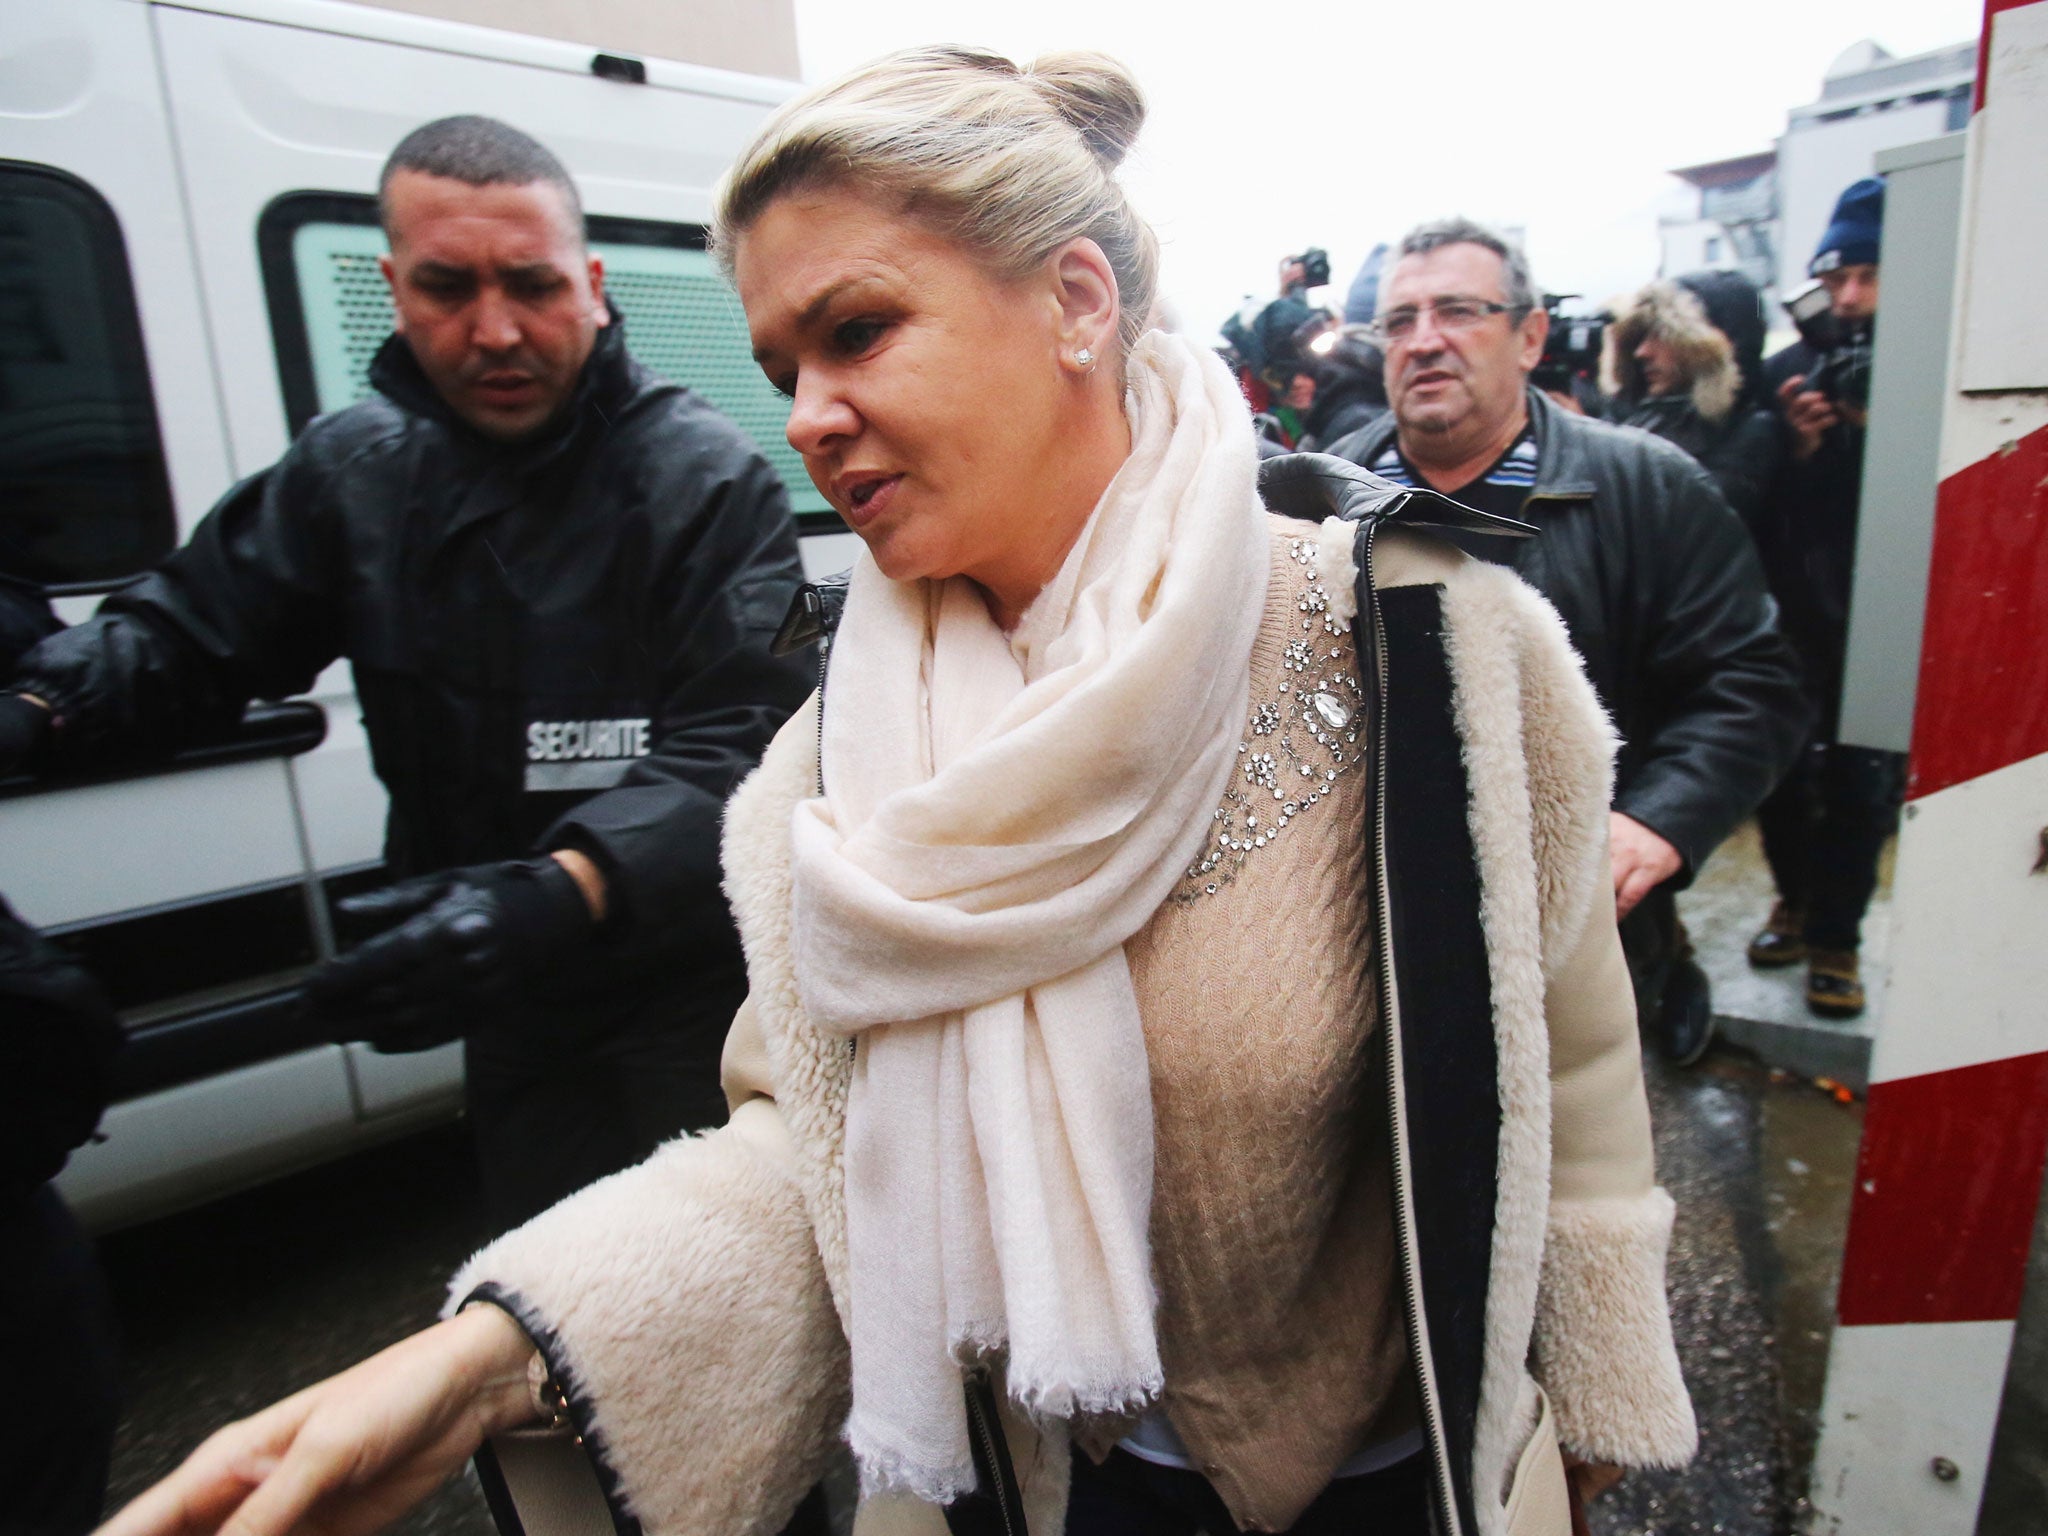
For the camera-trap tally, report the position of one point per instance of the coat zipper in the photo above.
(1404, 1214)
(994, 1450)
(824, 654)
(824, 657)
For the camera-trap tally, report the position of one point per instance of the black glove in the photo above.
(463, 942)
(23, 728)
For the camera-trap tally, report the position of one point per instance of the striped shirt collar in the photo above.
(1515, 469)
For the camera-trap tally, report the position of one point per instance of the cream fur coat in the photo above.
(694, 1306)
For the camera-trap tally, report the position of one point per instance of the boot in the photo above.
(1781, 940)
(1685, 1017)
(1834, 984)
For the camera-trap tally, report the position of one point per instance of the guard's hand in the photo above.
(452, 942)
(1808, 413)
(358, 1450)
(24, 727)
(1641, 860)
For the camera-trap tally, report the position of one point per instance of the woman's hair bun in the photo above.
(1010, 163)
(1095, 94)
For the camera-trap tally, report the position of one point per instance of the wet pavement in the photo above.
(228, 1308)
(2016, 1485)
(1760, 1164)
(1765, 1011)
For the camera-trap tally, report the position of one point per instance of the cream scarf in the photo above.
(1000, 814)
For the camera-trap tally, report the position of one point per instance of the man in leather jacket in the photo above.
(556, 578)
(1656, 580)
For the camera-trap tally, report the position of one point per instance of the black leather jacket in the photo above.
(1661, 590)
(1740, 450)
(557, 643)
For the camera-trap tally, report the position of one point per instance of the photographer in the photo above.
(1298, 274)
(1268, 351)
(1652, 574)
(1349, 375)
(1825, 825)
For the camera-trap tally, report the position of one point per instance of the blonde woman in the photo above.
(1190, 1077)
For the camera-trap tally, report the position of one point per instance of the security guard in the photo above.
(556, 577)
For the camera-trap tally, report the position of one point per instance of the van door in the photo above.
(184, 886)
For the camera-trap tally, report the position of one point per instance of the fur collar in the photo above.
(1705, 357)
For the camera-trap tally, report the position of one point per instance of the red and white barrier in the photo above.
(1956, 1134)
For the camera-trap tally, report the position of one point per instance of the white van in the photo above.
(188, 273)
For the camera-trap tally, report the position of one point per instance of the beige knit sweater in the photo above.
(1280, 1322)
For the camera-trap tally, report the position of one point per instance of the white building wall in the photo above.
(1686, 246)
(1816, 161)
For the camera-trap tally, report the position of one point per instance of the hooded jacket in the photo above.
(1660, 589)
(557, 643)
(1715, 414)
(692, 1308)
(1351, 391)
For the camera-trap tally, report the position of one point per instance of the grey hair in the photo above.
(1518, 289)
(478, 152)
(1010, 163)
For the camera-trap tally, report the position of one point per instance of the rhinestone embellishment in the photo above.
(1295, 747)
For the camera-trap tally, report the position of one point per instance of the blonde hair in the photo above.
(1010, 163)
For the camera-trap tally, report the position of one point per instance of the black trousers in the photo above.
(559, 1099)
(1128, 1496)
(1823, 828)
(1654, 940)
(57, 1337)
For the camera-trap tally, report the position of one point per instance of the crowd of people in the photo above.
(1686, 628)
(1184, 991)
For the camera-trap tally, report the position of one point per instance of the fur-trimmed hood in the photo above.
(1705, 356)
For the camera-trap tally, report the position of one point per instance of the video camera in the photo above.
(1571, 352)
(1315, 266)
(1843, 372)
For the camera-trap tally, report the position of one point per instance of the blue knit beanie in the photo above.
(1851, 237)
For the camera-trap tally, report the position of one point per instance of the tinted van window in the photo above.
(84, 499)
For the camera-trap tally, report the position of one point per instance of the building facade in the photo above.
(1761, 214)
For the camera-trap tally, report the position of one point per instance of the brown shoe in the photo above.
(1781, 941)
(1834, 984)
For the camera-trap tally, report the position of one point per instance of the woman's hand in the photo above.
(354, 1452)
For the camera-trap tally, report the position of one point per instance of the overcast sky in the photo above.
(1277, 127)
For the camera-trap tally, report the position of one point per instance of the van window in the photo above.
(84, 497)
(330, 311)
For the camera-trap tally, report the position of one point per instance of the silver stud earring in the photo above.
(1085, 358)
